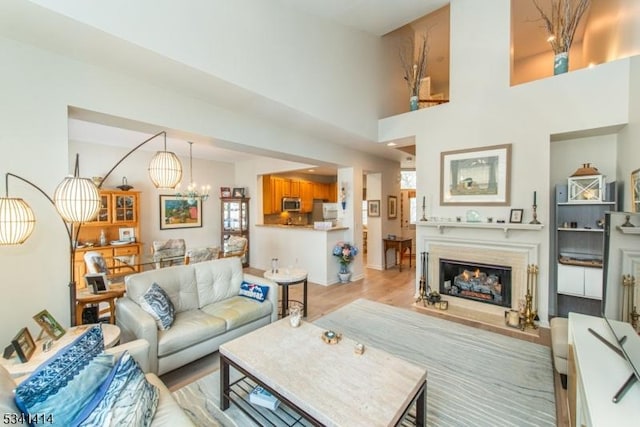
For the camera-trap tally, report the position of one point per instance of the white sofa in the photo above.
(168, 412)
(208, 310)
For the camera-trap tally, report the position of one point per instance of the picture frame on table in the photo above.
(238, 192)
(127, 234)
(476, 176)
(516, 216)
(24, 345)
(96, 282)
(176, 212)
(49, 324)
(373, 208)
(392, 207)
(225, 192)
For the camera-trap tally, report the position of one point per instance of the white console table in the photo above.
(596, 373)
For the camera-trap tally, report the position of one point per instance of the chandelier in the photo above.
(191, 194)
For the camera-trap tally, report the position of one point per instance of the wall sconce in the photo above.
(76, 200)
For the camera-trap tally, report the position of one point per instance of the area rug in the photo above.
(474, 377)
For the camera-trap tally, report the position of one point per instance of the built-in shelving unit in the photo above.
(505, 227)
(579, 248)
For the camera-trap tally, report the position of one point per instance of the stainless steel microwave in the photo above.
(291, 204)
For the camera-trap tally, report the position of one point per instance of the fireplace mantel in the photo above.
(505, 227)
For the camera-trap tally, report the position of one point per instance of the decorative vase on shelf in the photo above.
(344, 274)
(561, 63)
(413, 103)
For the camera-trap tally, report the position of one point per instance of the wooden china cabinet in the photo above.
(119, 210)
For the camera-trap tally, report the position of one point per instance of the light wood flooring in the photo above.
(389, 287)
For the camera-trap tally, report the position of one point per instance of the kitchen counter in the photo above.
(298, 247)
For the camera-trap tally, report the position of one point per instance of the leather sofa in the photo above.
(168, 412)
(208, 310)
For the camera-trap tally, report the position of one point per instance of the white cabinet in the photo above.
(580, 281)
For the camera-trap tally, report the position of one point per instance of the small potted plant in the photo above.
(345, 253)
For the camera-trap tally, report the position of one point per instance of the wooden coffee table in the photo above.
(327, 384)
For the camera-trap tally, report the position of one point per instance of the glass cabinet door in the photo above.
(104, 214)
(124, 208)
(234, 215)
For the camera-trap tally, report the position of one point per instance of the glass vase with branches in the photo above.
(414, 64)
(561, 25)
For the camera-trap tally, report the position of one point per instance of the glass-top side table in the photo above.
(285, 277)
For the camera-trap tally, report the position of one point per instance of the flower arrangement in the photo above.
(345, 253)
(414, 69)
(561, 25)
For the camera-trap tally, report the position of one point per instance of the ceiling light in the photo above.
(391, 144)
(192, 194)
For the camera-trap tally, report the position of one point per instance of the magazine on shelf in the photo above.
(260, 396)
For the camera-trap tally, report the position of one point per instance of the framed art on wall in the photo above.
(476, 176)
(176, 212)
(635, 191)
(392, 207)
(373, 208)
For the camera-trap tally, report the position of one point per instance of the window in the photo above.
(408, 180)
(364, 212)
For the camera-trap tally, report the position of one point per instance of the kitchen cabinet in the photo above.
(118, 209)
(579, 247)
(234, 215)
(306, 196)
(272, 193)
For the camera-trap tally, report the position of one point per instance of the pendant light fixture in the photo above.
(191, 195)
(77, 199)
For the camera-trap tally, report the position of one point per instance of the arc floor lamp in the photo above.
(77, 200)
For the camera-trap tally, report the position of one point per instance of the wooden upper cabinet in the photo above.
(333, 192)
(306, 196)
(272, 193)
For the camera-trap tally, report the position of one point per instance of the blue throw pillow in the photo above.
(157, 303)
(125, 398)
(63, 385)
(253, 291)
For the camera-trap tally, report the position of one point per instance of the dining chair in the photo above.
(96, 263)
(201, 254)
(168, 252)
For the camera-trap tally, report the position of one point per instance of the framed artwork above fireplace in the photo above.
(476, 176)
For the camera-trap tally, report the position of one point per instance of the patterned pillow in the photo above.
(253, 291)
(125, 398)
(157, 303)
(63, 385)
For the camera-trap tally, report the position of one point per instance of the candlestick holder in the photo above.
(535, 216)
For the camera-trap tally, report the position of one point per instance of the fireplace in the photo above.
(490, 284)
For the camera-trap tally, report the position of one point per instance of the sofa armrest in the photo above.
(271, 296)
(135, 323)
(138, 349)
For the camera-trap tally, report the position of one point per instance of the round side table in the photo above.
(286, 277)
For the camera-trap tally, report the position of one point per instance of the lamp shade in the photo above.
(165, 170)
(16, 221)
(77, 199)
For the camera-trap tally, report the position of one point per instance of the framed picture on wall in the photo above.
(476, 176)
(392, 207)
(176, 212)
(373, 208)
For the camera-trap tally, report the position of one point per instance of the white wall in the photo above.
(34, 136)
(484, 110)
(324, 69)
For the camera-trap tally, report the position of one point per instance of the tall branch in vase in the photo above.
(414, 67)
(561, 25)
